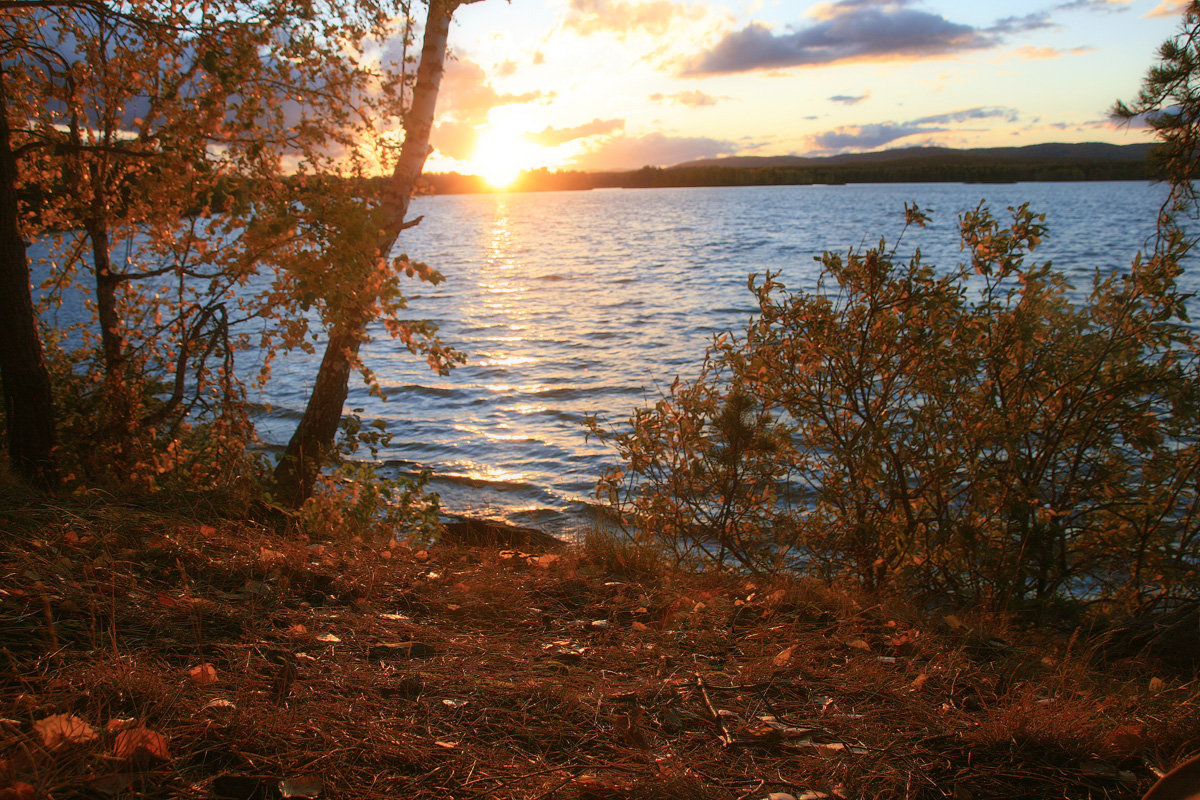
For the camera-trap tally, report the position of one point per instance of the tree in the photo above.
(136, 120)
(312, 441)
(28, 399)
(1169, 101)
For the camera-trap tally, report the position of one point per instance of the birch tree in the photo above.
(313, 439)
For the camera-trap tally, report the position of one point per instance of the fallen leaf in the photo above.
(218, 703)
(859, 644)
(203, 675)
(454, 703)
(297, 630)
(954, 622)
(918, 682)
(639, 626)
(141, 743)
(18, 791)
(62, 729)
(447, 745)
(784, 656)
(328, 638)
(303, 786)
(546, 561)
(207, 530)
(120, 724)
(1157, 684)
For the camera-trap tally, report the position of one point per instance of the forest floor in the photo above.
(154, 654)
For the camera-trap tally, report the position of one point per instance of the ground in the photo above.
(152, 653)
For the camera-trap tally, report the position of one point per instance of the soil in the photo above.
(152, 653)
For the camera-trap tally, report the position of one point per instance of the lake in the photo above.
(571, 303)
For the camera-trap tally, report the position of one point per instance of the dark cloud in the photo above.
(552, 137)
(866, 137)
(1111, 6)
(1029, 22)
(849, 99)
(874, 136)
(968, 114)
(856, 30)
(628, 152)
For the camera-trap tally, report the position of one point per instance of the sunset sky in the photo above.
(619, 84)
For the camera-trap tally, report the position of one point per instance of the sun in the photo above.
(502, 155)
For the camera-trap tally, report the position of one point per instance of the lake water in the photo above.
(571, 303)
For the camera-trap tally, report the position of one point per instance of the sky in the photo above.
(622, 84)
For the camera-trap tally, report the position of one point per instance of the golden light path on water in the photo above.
(577, 303)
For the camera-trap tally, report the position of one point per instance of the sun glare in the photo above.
(501, 156)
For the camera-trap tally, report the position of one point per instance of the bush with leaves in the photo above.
(971, 433)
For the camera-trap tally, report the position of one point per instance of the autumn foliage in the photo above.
(981, 433)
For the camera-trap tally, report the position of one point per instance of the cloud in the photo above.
(656, 149)
(455, 139)
(1030, 53)
(876, 135)
(1110, 6)
(866, 137)
(1030, 22)
(466, 96)
(968, 115)
(552, 137)
(1167, 8)
(694, 98)
(855, 30)
(848, 99)
(657, 17)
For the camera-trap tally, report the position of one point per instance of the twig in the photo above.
(726, 739)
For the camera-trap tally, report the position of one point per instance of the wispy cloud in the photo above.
(1030, 53)
(656, 149)
(466, 95)
(1094, 5)
(656, 17)
(849, 99)
(694, 98)
(552, 137)
(876, 135)
(856, 30)
(1167, 8)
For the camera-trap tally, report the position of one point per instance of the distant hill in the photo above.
(1054, 151)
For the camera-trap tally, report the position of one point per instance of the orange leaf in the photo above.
(203, 674)
(61, 729)
(140, 743)
(784, 657)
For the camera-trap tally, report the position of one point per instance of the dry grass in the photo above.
(589, 675)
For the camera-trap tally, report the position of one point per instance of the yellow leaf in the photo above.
(62, 729)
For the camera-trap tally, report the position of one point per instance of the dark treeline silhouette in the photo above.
(1083, 162)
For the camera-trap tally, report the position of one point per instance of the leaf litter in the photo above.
(693, 687)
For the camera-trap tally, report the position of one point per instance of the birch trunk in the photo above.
(297, 470)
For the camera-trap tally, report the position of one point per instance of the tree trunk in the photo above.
(297, 470)
(28, 399)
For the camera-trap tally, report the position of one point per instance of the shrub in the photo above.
(973, 433)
